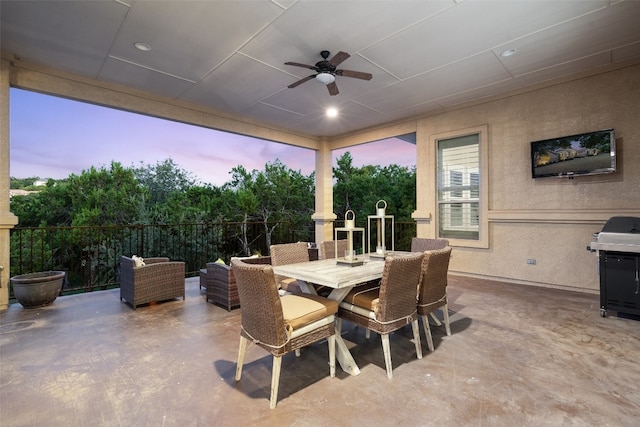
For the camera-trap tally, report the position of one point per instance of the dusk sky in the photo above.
(53, 137)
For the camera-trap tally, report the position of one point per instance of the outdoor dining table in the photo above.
(341, 278)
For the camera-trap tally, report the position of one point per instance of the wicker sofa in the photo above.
(220, 284)
(158, 280)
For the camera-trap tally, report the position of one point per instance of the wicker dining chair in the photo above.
(280, 324)
(158, 280)
(328, 248)
(421, 244)
(288, 253)
(389, 307)
(433, 290)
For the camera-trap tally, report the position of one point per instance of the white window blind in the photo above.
(459, 187)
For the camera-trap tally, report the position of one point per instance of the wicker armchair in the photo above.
(158, 280)
(433, 290)
(389, 307)
(419, 244)
(288, 253)
(328, 248)
(220, 283)
(280, 324)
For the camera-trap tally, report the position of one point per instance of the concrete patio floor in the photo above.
(517, 356)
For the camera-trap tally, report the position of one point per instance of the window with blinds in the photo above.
(458, 166)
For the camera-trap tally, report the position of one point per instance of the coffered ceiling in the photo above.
(229, 56)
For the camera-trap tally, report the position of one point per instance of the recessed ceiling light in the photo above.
(507, 53)
(142, 46)
(332, 112)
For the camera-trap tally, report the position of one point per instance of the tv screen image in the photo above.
(588, 153)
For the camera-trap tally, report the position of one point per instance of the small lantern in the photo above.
(349, 227)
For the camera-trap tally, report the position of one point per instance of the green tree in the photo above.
(22, 183)
(359, 189)
(192, 205)
(163, 179)
(274, 196)
(243, 207)
(353, 189)
(105, 196)
(284, 195)
(52, 206)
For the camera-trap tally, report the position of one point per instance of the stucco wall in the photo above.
(550, 220)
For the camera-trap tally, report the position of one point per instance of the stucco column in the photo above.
(7, 219)
(324, 216)
(425, 178)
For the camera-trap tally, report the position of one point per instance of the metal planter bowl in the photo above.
(37, 289)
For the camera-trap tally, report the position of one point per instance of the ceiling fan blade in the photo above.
(354, 74)
(297, 64)
(333, 89)
(299, 82)
(338, 58)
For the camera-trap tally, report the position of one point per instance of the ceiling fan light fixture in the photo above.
(325, 78)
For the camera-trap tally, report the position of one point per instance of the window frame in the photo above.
(483, 211)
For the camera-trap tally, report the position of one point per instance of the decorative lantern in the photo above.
(381, 220)
(350, 228)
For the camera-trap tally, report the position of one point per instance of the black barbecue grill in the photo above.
(618, 247)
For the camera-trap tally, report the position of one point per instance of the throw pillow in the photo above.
(138, 260)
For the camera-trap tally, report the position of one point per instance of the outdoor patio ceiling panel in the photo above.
(189, 39)
(304, 99)
(271, 114)
(52, 32)
(594, 33)
(316, 123)
(309, 27)
(412, 111)
(454, 34)
(526, 79)
(480, 70)
(423, 54)
(351, 116)
(238, 84)
(135, 76)
(626, 52)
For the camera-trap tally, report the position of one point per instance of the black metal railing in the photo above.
(91, 255)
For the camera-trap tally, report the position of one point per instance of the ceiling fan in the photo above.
(326, 71)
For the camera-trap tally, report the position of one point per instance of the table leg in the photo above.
(346, 360)
(307, 288)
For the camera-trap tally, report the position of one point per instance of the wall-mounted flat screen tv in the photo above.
(575, 155)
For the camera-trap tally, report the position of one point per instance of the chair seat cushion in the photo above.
(367, 298)
(289, 284)
(300, 310)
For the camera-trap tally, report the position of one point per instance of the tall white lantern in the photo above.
(382, 221)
